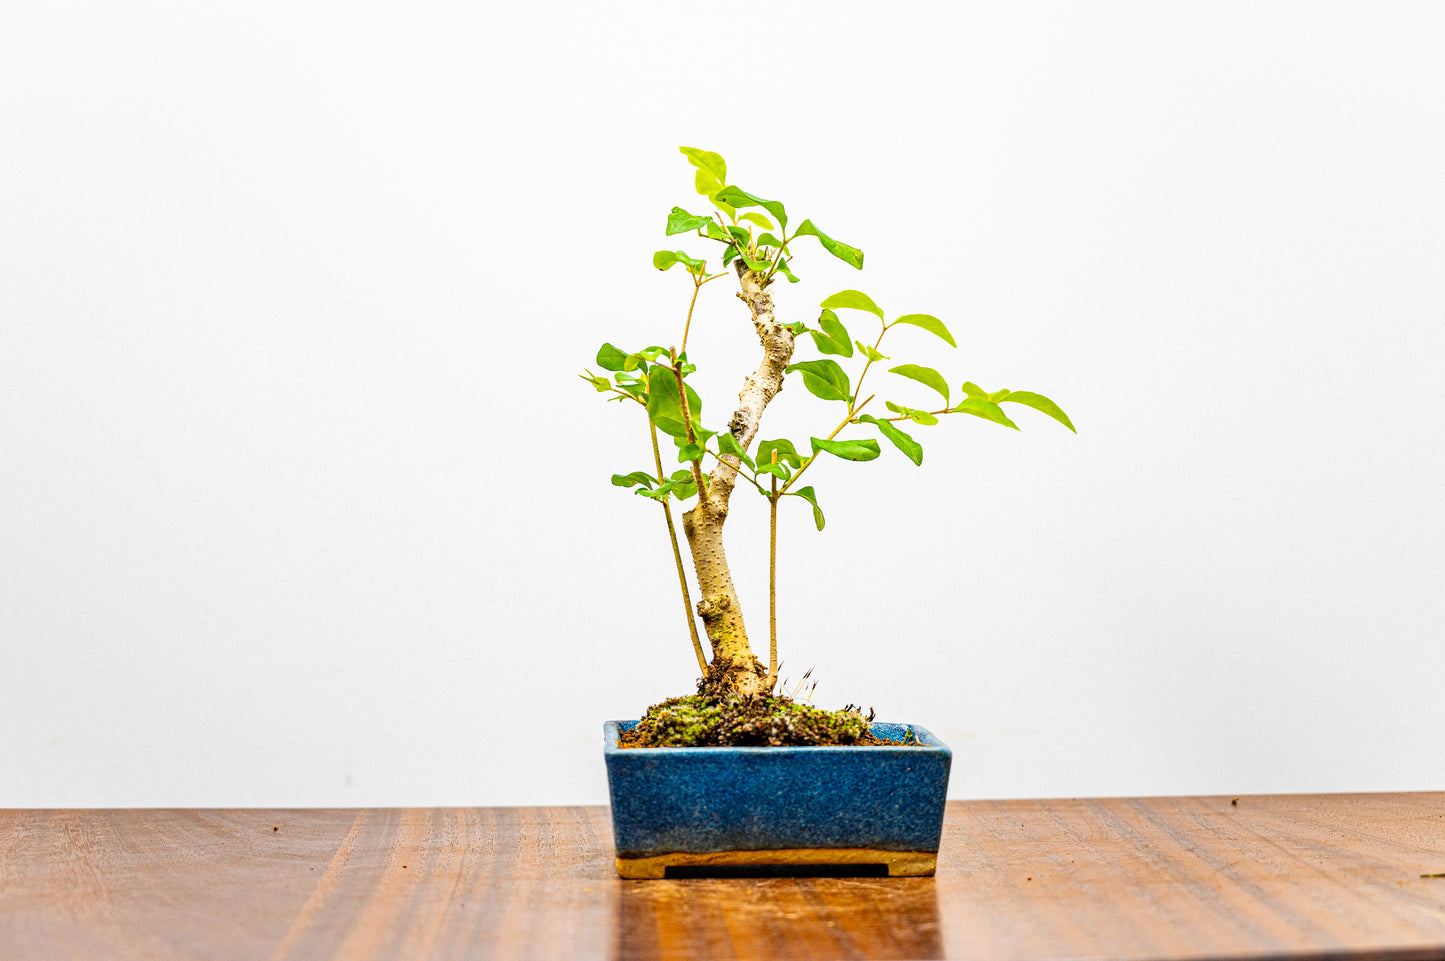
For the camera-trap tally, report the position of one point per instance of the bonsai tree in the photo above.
(757, 247)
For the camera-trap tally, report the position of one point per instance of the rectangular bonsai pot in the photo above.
(706, 806)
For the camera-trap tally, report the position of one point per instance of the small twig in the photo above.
(677, 557)
(687, 425)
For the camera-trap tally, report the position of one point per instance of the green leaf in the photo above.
(848, 449)
(728, 444)
(758, 219)
(766, 239)
(758, 265)
(1040, 403)
(679, 221)
(779, 471)
(910, 447)
(633, 479)
(664, 259)
(786, 272)
(610, 358)
(706, 160)
(869, 352)
(833, 338)
(702, 435)
(973, 390)
(986, 409)
(924, 375)
(787, 454)
(709, 186)
(663, 405)
(849, 255)
(730, 255)
(855, 299)
(688, 453)
(602, 384)
(929, 323)
(823, 378)
(917, 416)
(807, 494)
(739, 197)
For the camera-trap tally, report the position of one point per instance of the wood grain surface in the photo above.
(1323, 876)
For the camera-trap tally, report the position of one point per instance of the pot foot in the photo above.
(900, 864)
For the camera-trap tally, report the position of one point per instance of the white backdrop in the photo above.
(302, 503)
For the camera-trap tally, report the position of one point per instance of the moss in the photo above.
(701, 720)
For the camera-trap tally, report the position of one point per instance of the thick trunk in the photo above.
(721, 612)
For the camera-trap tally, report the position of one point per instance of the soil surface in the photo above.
(704, 720)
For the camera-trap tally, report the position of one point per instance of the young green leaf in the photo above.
(917, 416)
(924, 375)
(1039, 403)
(848, 449)
(663, 406)
(679, 221)
(610, 358)
(602, 384)
(758, 265)
(869, 352)
(823, 378)
(713, 163)
(986, 409)
(849, 255)
(807, 494)
(766, 239)
(929, 323)
(787, 454)
(664, 259)
(688, 453)
(833, 338)
(855, 299)
(728, 444)
(786, 272)
(910, 447)
(757, 218)
(779, 471)
(974, 391)
(633, 479)
(741, 198)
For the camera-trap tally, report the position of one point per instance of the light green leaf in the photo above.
(823, 378)
(758, 265)
(849, 255)
(602, 384)
(910, 447)
(848, 449)
(688, 453)
(1038, 402)
(766, 239)
(787, 454)
(779, 471)
(664, 259)
(786, 272)
(922, 417)
(807, 494)
(709, 186)
(713, 163)
(663, 405)
(986, 409)
(924, 375)
(929, 323)
(728, 444)
(973, 390)
(714, 231)
(679, 221)
(610, 358)
(855, 299)
(869, 352)
(633, 479)
(833, 338)
(739, 197)
(758, 219)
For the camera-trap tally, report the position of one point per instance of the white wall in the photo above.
(301, 502)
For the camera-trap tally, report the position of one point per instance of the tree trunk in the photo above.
(735, 667)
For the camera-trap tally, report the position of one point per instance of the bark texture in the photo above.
(719, 608)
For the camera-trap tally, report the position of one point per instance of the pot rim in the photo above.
(928, 744)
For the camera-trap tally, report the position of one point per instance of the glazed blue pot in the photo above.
(709, 806)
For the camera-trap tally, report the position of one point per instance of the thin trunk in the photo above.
(735, 665)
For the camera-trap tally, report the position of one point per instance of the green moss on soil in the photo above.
(701, 720)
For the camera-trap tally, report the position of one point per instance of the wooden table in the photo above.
(1302, 876)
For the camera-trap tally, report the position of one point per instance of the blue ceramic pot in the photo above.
(778, 805)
